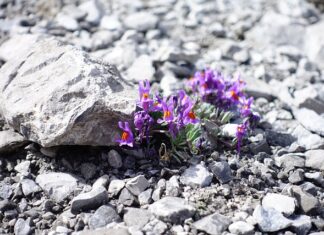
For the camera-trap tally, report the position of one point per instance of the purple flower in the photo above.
(127, 137)
(189, 116)
(144, 92)
(246, 107)
(143, 122)
(167, 111)
(240, 133)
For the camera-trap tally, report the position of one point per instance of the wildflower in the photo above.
(144, 92)
(246, 107)
(189, 115)
(240, 133)
(167, 111)
(143, 121)
(127, 137)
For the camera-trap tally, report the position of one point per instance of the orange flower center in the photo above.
(191, 115)
(234, 95)
(167, 114)
(125, 135)
(145, 96)
(204, 86)
(245, 107)
(156, 103)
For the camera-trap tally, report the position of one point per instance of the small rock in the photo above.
(115, 186)
(93, 11)
(172, 209)
(114, 159)
(307, 139)
(281, 203)
(101, 181)
(137, 184)
(67, 22)
(301, 224)
(88, 170)
(241, 228)
(90, 200)
(141, 21)
(213, 224)
(23, 167)
(314, 159)
(307, 202)
(221, 171)
(145, 197)
(126, 198)
(269, 219)
(310, 120)
(296, 177)
(138, 218)
(110, 23)
(10, 141)
(172, 187)
(104, 215)
(57, 185)
(196, 176)
(22, 227)
(29, 187)
(290, 160)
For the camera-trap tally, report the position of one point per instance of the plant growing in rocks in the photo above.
(211, 112)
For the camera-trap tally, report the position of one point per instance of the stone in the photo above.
(306, 202)
(141, 21)
(310, 120)
(67, 22)
(90, 200)
(141, 69)
(196, 176)
(88, 170)
(241, 228)
(279, 202)
(270, 220)
(172, 209)
(104, 215)
(5, 190)
(10, 141)
(172, 187)
(58, 186)
(314, 159)
(155, 227)
(29, 187)
(74, 12)
(301, 224)
(145, 197)
(93, 11)
(114, 159)
(290, 160)
(23, 167)
(22, 227)
(69, 98)
(137, 184)
(105, 231)
(110, 23)
(221, 171)
(307, 139)
(260, 146)
(138, 218)
(115, 186)
(213, 224)
(101, 181)
(229, 130)
(126, 197)
(296, 176)
(314, 46)
(308, 97)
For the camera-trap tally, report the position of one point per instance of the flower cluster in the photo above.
(174, 114)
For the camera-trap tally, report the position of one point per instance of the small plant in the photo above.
(190, 121)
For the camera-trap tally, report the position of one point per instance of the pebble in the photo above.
(88, 170)
(142, 68)
(114, 159)
(241, 228)
(314, 159)
(196, 176)
(141, 21)
(137, 184)
(126, 198)
(29, 187)
(279, 202)
(104, 215)
(138, 218)
(213, 224)
(115, 186)
(172, 209)
(22, 227)
(145, 198)
(310, 120)
(23, 167)
(306, 202)
(221, 171)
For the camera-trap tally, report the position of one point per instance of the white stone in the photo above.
(142, 69)
(141, 21)
(196, 176)
(241, 228)
(281, 203)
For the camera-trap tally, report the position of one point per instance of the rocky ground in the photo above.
(275, 186)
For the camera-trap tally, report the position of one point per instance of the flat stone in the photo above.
(307, 139)
(23, 167)
(290, 160)
(104, 215)
(314, 159)
(57, 185)
(29, 187)
(241, 228)
(69, 98)
(141, 21)
(310, 120)
(213, 224)
(279, 202)
(10, 141)
(196, 176)
(90, 200)
(172, 209)
(137, 184)
(221, 171)
(306, 202)
(270, 220)
(138, 218)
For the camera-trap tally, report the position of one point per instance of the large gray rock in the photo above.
(57, 185)
(57, 95)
